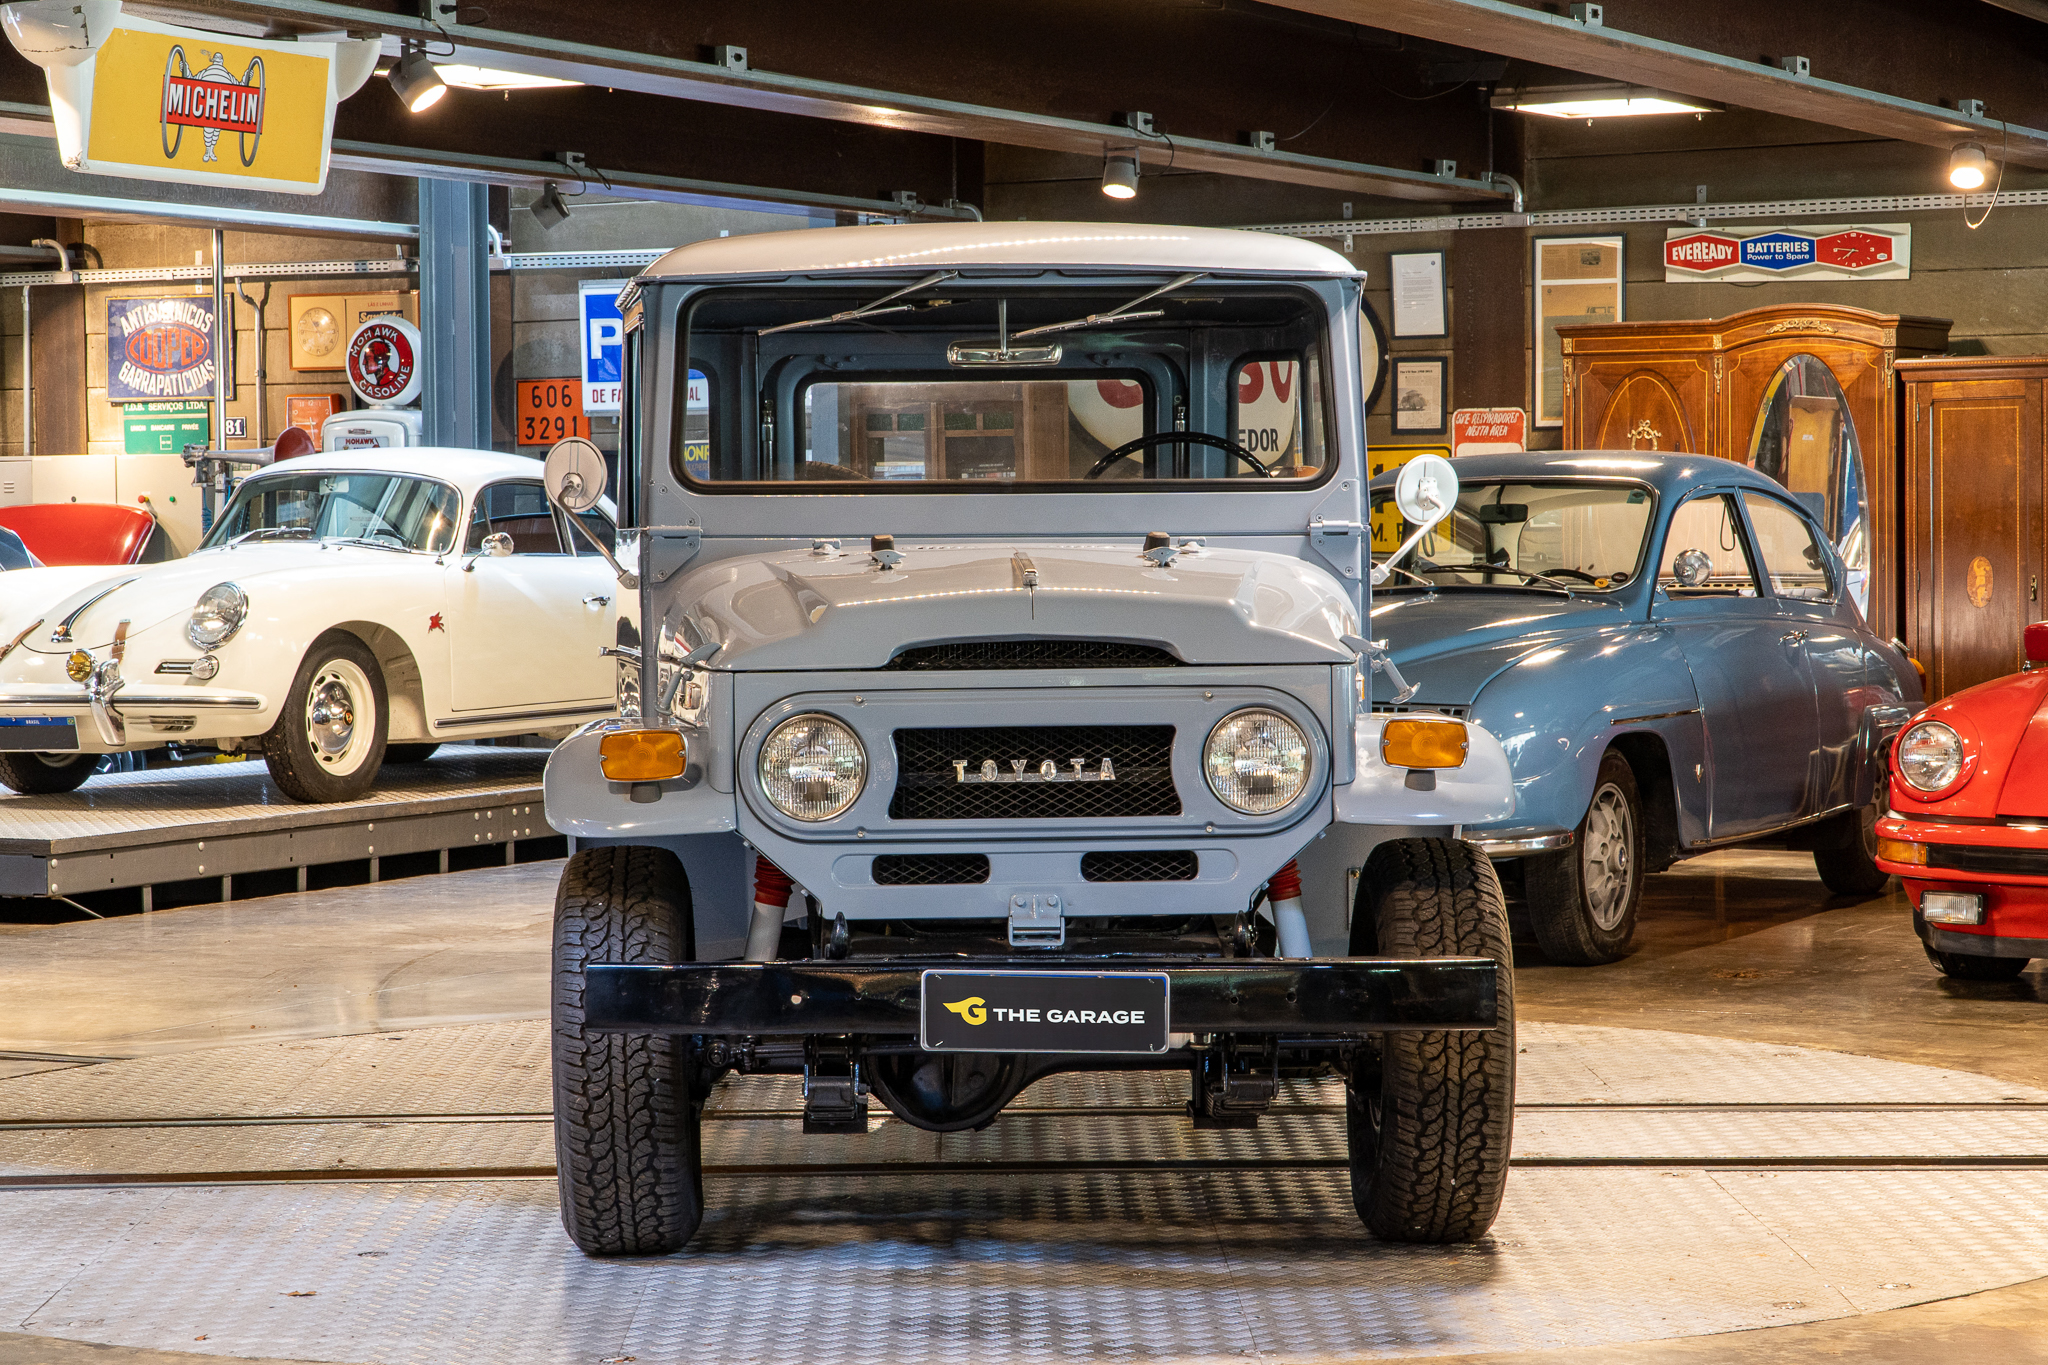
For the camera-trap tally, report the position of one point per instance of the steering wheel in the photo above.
(1165, 438)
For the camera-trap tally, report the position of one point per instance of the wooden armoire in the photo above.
(1975, 533)
(1750, 387)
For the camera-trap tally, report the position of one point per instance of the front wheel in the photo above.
(328, 742)
(1850, 867)
(1431, 1115)
(1971, 967)
(627, 1157)
(46, 774)
(1583, 899)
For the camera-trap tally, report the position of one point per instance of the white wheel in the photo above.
(328, 742)
(340, 708)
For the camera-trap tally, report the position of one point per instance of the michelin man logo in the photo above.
(215, 101)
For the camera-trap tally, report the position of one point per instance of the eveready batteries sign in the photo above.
(1749, 254)
(132, 97)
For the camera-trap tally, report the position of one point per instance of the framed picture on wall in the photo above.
(1576, 280)
(1417, 279)
(1418, 386)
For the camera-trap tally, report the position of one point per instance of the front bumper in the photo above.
(2006, 864)
(1332, 996)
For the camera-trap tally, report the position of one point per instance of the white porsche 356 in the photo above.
(345, 610)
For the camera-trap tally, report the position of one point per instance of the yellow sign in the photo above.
(157, 102)
(971, 1009)
(1387, 526)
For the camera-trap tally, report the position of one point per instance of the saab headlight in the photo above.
(1257, 761)
(217, 615)
(1930, 757)
(812, 767)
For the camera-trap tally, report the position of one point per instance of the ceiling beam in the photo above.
(1553, 40)
(744, 88)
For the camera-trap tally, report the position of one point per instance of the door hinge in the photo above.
(1339, 542)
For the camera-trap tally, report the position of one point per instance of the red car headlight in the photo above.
(1932, 760)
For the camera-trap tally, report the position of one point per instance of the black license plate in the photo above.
(1044, 1011)
(38, 733)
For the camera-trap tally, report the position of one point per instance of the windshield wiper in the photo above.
(1406, 573)
(1121, 313)
(268, 532)
(367, 541)
(868, 310)
(1545, 580)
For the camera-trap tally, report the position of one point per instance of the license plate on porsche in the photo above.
(38, 733)
(967, 1011)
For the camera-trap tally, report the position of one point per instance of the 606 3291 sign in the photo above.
(550, 410)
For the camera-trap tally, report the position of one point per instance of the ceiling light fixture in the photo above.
(490, 78)
(1599, 101)
(1968, 167)
(419, 86)
(1120, 175)
(549, 210)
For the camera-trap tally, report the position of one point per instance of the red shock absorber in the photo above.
(772, 885)
(772, 888)
(1286, 883)
(1284, 893)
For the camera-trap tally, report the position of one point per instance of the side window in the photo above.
(1793, 558)
(598, 524)
(1704, 552)
(519, 510)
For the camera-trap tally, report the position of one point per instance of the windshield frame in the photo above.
(1162, 370)
(215, 537)
(1652, 531)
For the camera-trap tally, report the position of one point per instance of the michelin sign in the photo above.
(133, 97)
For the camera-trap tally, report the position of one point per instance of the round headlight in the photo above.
(1256, 761)
(217, 615)
(812, 767)
(1930, 756)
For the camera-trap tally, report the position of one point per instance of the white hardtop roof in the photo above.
(939, 246)
(464, 468)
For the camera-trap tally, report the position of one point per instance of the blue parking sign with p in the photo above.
(603, 344)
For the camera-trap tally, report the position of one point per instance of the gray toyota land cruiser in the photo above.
(992, 703)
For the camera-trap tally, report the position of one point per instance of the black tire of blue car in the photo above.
(328, 742)
(1431, 1115)
(1583, 899)
(1971, 967)
(408, 753)
(627, 1105)
(46, 774)
(1846, 857)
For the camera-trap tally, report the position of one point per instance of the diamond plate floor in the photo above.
(1050, 1260)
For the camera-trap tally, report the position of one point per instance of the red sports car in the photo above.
(1968, 826)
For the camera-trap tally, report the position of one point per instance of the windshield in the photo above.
(1585, 537)
(935, 382)
(383, 509)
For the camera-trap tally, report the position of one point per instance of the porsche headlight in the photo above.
(1930, 756)
(1256, 761)
(812, 767)
(217, 615)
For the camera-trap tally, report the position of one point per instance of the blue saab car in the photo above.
(1668, 648)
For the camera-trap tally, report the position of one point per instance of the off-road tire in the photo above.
(408, 753)
(1972, 967)
(1431, 1115)
(627, 1156)
(1574, 923)
(294, 766)
(1850, 868)
(46, 774)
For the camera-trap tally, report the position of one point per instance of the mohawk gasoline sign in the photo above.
(150, 101)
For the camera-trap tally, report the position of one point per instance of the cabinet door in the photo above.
(1975, 509)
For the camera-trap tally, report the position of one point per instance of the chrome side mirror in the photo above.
(575, 477)
(1692, 567)
(1425, 492)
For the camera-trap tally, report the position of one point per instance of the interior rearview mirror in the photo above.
(1426, 490)
(574, 474)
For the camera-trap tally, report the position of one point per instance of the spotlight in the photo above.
(1120, 175)
(1968, 167)
(549, 210)
(419, 86)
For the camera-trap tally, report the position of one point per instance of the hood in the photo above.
(2004, 724)
(1452, 644)
(151, 594)
(800, 609)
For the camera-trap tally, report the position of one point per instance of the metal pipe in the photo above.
(221, 343)
(256, 306)
(28, 381)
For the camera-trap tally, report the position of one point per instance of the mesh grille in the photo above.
(927, 785)
(1145, 865)
(930, 869)
(1455, 711)
(1031, 654)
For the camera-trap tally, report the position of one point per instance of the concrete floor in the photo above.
(1740, 945)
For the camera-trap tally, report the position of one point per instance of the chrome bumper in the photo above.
(1516, 843)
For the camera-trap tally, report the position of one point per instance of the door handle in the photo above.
(1792, 637)
(598, 598)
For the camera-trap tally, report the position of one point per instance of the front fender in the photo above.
(1482, 790)
(582, 802)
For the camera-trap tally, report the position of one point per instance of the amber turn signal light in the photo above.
(641, 755)
(1899, 851)
(78, 665)
(1411, 742)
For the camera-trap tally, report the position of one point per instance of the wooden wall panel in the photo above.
(57, 323)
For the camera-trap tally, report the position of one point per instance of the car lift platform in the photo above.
(142, 829)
